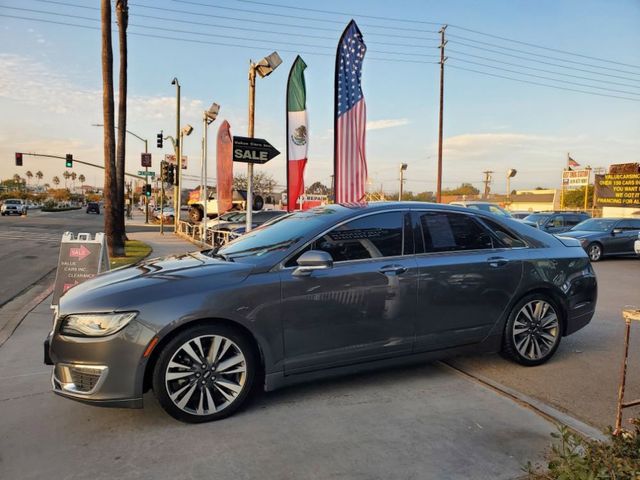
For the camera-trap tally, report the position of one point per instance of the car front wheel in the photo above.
(594, 250)
(205, 373)
(533, 330)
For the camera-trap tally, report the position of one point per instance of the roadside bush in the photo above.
(574, 458)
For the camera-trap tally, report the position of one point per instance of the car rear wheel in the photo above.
(533, 330)
(205, 373)
(594, 250)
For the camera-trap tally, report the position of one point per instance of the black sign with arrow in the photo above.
(253, 150)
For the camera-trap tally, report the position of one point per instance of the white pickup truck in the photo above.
(14, 206)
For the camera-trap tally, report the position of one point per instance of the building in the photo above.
(535, 200)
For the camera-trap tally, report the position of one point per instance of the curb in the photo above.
(7, 330)
(541, 408)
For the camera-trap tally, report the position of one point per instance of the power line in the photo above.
(543, 62)
(205, 42)
(236, 28)
(533, 45)
(568, 82)
(540, 55)
(457, 52)
(544, 84)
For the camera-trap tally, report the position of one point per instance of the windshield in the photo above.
(13, 202)
(536, 218)
(595, 225)
(277, 237)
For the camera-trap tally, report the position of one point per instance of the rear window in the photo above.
(447, 231)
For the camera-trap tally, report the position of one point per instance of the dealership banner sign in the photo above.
(575, 178)
(618, 190)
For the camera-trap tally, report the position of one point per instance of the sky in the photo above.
(51, 84)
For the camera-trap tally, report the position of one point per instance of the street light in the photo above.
(403, 168)
(510, 174)
(263, 68)
(208, 118)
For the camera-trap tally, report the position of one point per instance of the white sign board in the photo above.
(575, 178)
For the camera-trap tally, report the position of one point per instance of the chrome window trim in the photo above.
(281, 265)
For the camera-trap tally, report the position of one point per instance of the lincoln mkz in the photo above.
(330, 291)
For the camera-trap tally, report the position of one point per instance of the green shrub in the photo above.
(574, 458)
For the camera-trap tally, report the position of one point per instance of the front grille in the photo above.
(78, 379)
(84, 379)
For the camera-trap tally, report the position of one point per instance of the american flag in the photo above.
(350, 163)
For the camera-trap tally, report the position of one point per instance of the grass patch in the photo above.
(134, 250)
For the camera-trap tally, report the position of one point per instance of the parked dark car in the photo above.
(93, 207)
(603, 237)
(238, 225)
(555, 222)
(329, 291)
(484, 206)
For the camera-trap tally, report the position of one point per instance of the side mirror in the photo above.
(616, 231)
(312, 260)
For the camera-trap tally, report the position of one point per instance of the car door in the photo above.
(624, 240)
(468, 276)
(363, 307)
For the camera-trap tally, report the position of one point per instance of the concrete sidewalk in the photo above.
(163, 245)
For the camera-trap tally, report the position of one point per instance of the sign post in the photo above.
(81, 258)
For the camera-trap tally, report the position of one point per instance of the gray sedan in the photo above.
(330, 291)
(608, 237)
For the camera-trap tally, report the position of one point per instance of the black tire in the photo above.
(543, 334)
(205, 388)
(595, 251)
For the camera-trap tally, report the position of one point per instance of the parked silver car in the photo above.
(329, 291)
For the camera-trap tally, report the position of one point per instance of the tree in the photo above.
(29, 175)
(318, 188)
(111, 204)
(66, 176)
(17, 178)
(463, 189)
(39, 176)
(122, 18)
(575, 198)
(56, 180)
(82, 180)
(262, 182)
(74, 175)
(46, 186)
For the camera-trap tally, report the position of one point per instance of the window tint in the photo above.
(556, 221)
(374, 236)
(507, 238)
(446, 231)
(629, 225)
(572, 220)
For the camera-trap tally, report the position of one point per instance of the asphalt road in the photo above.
(29, 246)
(582, 378)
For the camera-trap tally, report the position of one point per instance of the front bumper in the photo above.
(106, 371)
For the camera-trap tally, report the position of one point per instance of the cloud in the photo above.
(386, 123)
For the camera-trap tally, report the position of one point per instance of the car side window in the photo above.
(448, 231)
(507, 238)
(629, 225)
(571, 220)
(556, 221)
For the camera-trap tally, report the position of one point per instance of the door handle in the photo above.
(497, 261)
(393, 270)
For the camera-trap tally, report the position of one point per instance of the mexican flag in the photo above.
(297, 133)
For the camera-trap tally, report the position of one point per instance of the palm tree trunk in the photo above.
(122, 17)
(112, 207)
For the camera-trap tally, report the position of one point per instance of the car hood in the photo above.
(581, 234)
(150, 280)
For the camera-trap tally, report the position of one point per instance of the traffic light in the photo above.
(18, 159)
(170, 175)
(69, 162)
(147, 190)
(159, 140)
(164, 171)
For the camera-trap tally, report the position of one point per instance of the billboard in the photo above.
(575, 178)
(620, 188)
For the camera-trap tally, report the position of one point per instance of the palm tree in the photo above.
(82, 180)
(39, 176)
(29, 175)
(66, 176)
(56, 180)
(122, 17)
(46, 186)
(112, 204)
(74, 175)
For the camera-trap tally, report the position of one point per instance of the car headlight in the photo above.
(95, 324)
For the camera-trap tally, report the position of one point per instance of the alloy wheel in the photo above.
(536, 330)
(206, 374)
(595, 252)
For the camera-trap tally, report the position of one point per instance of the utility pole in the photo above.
(487, 183)
(403, 168)
(252, 111)
(443, 59)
